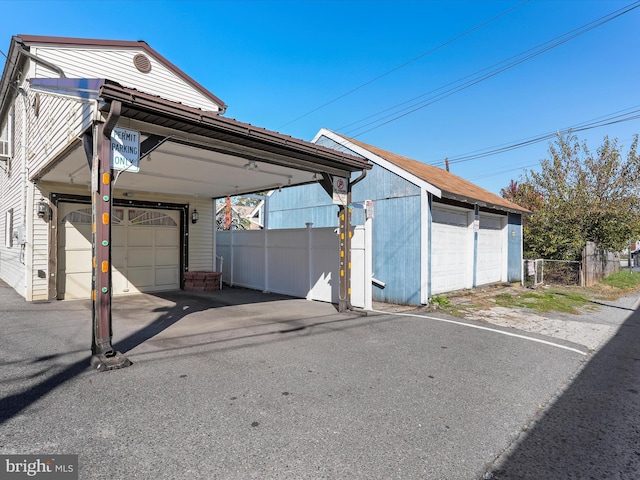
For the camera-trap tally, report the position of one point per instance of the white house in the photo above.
(111, 159)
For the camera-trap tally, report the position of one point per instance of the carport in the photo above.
(182, 151)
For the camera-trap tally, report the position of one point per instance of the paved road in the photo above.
(591, 431)
(275, 388)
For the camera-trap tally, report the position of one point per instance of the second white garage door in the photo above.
(145, 254)
(491, 238)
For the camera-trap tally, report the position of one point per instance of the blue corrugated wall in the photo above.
(396, 226)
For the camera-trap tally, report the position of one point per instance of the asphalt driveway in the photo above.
(239, 384)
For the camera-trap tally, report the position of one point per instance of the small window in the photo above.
(84, 216)
(79, 217)
(8, 229)
(151, 218)
(6, 138)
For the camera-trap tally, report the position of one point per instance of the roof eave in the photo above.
(417, 181)
(67, 41)
(282, 144)
(482, 203)
(10, 74)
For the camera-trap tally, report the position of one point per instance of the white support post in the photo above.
(265, 246)
(368, 263)
(232, 250)
(310, 260)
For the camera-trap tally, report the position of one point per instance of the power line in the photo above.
(602, 121)
(493, 174)
(424, 54)
(497, 69)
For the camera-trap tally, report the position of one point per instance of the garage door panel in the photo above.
(140, 237)
(78, 236)
(166, 238)
(450, 250)
(119, 280)
(118, 236)
(449, 260)
(166, 276)
(141, 277)
(76, 286)
(77, 261)
(118, 257)
(490, 250)
(139, 257)
(166, 257)
(145, 250)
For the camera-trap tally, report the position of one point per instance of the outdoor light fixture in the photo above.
(195, 216)
(42, 208)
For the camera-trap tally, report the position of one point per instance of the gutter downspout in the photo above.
(359, 179)
(42, 62)
(27, 192)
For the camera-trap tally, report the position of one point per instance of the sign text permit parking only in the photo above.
(125, 150)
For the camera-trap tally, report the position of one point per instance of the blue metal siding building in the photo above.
(396, 226)
(402, 223)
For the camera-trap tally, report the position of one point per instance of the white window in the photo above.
(6, 138)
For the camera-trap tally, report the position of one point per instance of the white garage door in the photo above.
(490, 250)
(145, 250)
(451, 250)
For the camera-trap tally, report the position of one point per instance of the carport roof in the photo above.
(195, 152)
(158, 111)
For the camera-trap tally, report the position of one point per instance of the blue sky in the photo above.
(275, 62)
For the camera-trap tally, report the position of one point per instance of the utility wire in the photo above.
(428, 52)
(603, 121)
(497, 69)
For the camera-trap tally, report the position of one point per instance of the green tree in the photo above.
(579, 196)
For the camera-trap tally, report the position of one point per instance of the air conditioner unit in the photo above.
(4, 150)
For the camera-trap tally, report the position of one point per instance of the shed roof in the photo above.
(451, 185)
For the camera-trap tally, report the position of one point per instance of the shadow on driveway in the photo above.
(592, 429)
(42, 328)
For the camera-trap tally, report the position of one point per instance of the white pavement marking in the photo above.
(502, 332)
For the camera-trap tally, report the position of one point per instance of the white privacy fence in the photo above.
(298, 262)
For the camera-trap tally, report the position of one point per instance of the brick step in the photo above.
(202, 281)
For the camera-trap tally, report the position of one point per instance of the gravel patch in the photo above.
(589, 334)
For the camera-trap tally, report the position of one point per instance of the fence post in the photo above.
(368, 262)
(265, 247)
(310, 260)
(232, 252)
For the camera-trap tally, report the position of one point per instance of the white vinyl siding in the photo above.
(201, 236)
(117, 64)
(12, 197)
(40, 252)
(59, 123)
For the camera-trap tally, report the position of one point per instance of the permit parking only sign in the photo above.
(125, 150)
